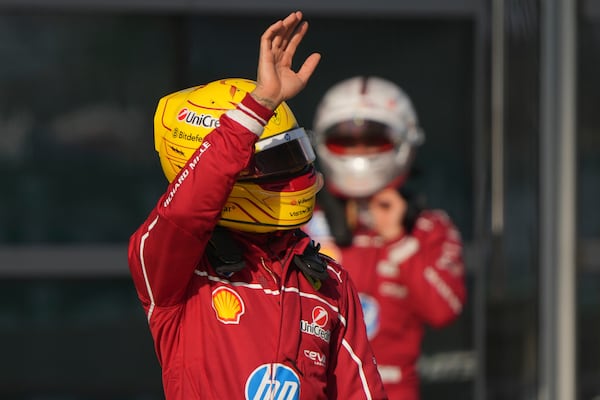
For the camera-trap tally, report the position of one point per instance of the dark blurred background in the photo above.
(79, 82)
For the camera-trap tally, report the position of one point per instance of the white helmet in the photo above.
(370, 111)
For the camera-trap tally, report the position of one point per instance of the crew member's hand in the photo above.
(276, 81)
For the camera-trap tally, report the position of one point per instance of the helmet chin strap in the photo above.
(227, 257)
(223, 253)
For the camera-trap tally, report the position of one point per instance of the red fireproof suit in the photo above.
(263, 333)
(405, 284)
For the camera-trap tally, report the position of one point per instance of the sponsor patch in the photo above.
(202, 120)
(320, 317)
(273, 382)
(391, 289)
(371, 314)
(316, 357)
(228, 305)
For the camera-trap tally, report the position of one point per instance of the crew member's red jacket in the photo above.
(264, 332)
(405, 284)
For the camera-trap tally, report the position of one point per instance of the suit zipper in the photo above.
(264, 264)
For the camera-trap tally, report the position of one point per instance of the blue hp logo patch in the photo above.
(370, 308)
(273, 382)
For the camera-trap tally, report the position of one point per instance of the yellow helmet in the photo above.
(277, 190)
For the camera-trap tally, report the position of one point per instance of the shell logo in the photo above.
(228, 305)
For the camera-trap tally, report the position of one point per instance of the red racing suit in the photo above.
(263, 333)
(405, 284)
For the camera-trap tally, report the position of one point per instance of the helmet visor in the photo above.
(371, 136)
(282, 154)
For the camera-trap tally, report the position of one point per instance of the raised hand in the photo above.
(276, 81)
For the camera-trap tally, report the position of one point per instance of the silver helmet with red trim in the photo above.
(366, 132)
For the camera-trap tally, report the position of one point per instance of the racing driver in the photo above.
(239, 302)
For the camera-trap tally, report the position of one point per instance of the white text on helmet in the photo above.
(202, 120)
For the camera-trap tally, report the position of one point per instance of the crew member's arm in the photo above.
(435, 275)
(429, 258)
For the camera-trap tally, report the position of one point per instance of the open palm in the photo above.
(276, 80)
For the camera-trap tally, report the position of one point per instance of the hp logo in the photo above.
(273, 382)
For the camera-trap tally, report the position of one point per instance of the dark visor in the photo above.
(359, 132)
(285, 153)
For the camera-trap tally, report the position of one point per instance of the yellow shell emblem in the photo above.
(228, 305)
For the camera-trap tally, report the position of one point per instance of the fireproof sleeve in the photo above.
(166, 248)
(435, 276)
